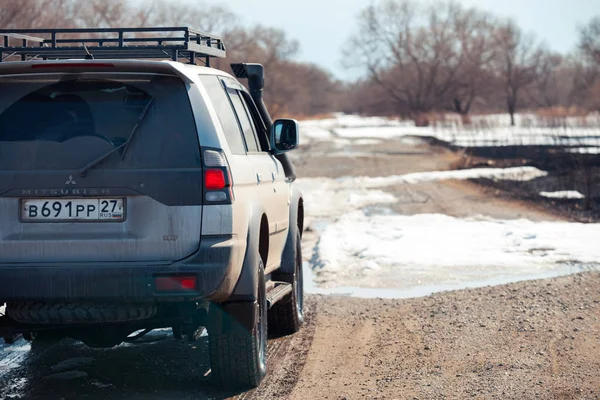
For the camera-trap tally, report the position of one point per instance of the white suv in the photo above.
(140, 194)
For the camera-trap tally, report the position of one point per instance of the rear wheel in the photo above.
(287, 315)
(238, 355)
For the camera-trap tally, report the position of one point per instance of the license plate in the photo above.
(39, 210)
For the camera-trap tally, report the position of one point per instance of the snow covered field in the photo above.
(490, 130)
(364, 248)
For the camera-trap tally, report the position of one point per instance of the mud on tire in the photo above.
(68, 313)
(287, 315)
(238, 356)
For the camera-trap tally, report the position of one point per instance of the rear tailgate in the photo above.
(143, 202)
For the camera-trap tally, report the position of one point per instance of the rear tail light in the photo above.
(174, 284)
(217, 178)
(214, 179)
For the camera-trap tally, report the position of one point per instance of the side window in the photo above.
(259, 125)
(229, 123)
(247, 128)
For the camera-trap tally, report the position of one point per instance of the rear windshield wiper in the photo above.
(83, 170)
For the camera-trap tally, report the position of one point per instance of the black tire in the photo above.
(81, 313)
(238, 357)
(287, 315)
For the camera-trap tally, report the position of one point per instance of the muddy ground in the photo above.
(536, 339)
(578, 172)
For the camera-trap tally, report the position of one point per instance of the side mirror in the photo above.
(284, 135)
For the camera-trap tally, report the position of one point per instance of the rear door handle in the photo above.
(258, 177)
(273, 176)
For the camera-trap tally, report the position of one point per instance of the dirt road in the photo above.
(537, 339)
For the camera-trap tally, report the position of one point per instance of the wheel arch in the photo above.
(257, 246)
(288, 258)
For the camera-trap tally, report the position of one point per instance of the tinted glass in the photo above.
(64, 122)
(229, 123)
(261, 130)
(247, 128)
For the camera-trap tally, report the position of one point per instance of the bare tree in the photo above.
(517, 61)
(474, 31)
(207, 17)
(552, 86)
(35, 13)
(269, 44)
(102, 13)
(425, 57)
(589, 41)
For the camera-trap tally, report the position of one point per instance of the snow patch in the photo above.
(585, 150)
(382, 132)
(511, 174)
(324, 197)
(315, 132)
(405, 252)
(366, 142)
(563, 194)
(350, 120)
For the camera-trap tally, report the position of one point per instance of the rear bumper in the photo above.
(217, 266)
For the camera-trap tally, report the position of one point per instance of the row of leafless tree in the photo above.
(293, 88)
(445, 57)
(419, 59)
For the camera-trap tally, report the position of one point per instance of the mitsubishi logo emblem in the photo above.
(71, 181)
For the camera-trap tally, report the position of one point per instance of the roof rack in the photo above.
(111, 43)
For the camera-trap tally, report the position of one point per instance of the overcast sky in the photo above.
(322, 26)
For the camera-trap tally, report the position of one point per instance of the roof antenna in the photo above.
(88, 55)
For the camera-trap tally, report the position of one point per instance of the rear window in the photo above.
(65, 121)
